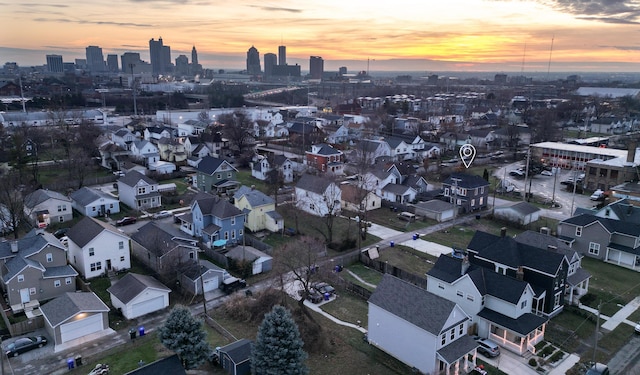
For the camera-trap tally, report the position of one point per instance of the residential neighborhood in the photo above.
(360, 217)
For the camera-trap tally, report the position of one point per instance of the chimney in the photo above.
(465, 265)
(14, 246)
(520, 273)
(503, 232)
(545, 230)
(631, 152)
(253, 187)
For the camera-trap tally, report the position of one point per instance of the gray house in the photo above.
(43, 207)
(467, 192)
(521, 213)
(205, 276)
(612, 241)
(419, 328)
(138, 191)
(235, 358)
(216, 176)
(34, 269)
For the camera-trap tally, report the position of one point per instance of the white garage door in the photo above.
(146, 307)
(79, 328)
(257, 267)
(211, 284)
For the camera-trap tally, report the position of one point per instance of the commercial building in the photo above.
(253, 61)
(316, 67)
(270, 60)
(54, 64)
(95, 59)
(571, 156)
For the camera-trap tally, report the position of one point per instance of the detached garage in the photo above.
(136, 295)
(75, 315)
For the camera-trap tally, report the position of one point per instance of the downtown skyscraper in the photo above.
(95, 59)
(160, 57)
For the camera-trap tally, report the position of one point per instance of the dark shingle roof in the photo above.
(216, 206)
(209, 165)
(238, 351)
(467, 181)
(508, 251)
(625, 211)
(132, 284)
(313, 183)
(42, 195)
(132, 178)
(458, 349)
(613, 226)
(157, 240)
(524, 208)
(69, 305)
(545, 241)
(87, 229)
(524, 325)
(255, 197)
(413, 304)
(166, 366)
(86, 195)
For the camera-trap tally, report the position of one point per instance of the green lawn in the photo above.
(244, 177)
(612, 284)
(407, 259)
(348, 308)
(365, 273)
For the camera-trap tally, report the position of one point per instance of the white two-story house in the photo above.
(42, 207)
(96, 248)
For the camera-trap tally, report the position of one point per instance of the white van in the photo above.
(407, 216)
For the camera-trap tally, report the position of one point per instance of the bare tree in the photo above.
(238, 128)
(12, 199)
(298, 263)
(326, 203)
(80, 165)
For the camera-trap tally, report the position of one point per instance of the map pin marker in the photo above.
(467, 154)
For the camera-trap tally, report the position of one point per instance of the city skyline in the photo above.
(472, 35)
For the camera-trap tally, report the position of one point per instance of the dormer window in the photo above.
(578, 231)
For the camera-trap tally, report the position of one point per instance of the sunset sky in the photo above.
(418, 35)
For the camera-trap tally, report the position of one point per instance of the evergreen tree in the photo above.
(278, 347)
(183, 334)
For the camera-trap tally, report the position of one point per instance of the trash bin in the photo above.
(132, 333)
(392, 244)
(415, 236)
(70, 363)
(78, 361)
(327, 296)
(141, 331)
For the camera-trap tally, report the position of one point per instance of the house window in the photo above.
(501, 270)
(481, 201)
(452, 334)
(141, 190)
(49, 257)
(111, 205)
(446, 192)
(96, 266)
(594, 248)
(191, 255)
(459, 293)
(32, 291)
(461, 329)
(122, 258)
(473, 202)
(443, 339)
(470, 298)
(523, 304)
(20, 278)
(482, 190)
(233, 234)
(233, 221)
(229, 175)
(57, 283)
(121, 245)
(91, 251)
(578, 231)
(226, 235)
(61, 219)
(441, 286)
(93, 209)
(219, 176)
(68, 281)
(556, 302)
(312, 206)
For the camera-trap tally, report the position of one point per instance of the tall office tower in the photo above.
(194, 56)
(54, 64)
(253, 61)
(182, 65)
(167, 65)
(130, 60)
(316, 67)
(95, 59)
(342, 70)
(270, 60)
(282, 55)
(155, 52)
(112, 63)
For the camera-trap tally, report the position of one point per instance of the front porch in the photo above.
(459, 357)
(516, 335)
(577, 286)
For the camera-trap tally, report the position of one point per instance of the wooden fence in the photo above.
(385, 267)
(26, 326)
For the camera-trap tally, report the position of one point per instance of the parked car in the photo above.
(313, 295)
(324, 288)
(60, 233)
(488, 347)
(64, 240)
(517, 173)
(546, 173)
(162, 214)
(597, 195)
(598, 369)
(637, 328)
(126, 221)
(24, 344)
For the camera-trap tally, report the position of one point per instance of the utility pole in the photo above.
(204, 298)
(455, 199)
(595, 346)
(526, 176)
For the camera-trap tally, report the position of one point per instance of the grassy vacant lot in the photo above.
(612, 285)
(407, 259)
(244, 177)
(389, 218)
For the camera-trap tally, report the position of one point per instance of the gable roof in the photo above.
(86, 195)
(132, 177)
(31, 243)
(611, 225)
(413, 304)
(68, 305)
(89, 228)
(507, 251)
(209, 165)
(545, 241)
(625, 210)
(42, 195)
(488, 282)
(523, 208)
(158, 241)
(254, 197)
(238, 351)
(215, 206)
(467, 181)
(132, 284)
(313, 183)
(324, 149)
